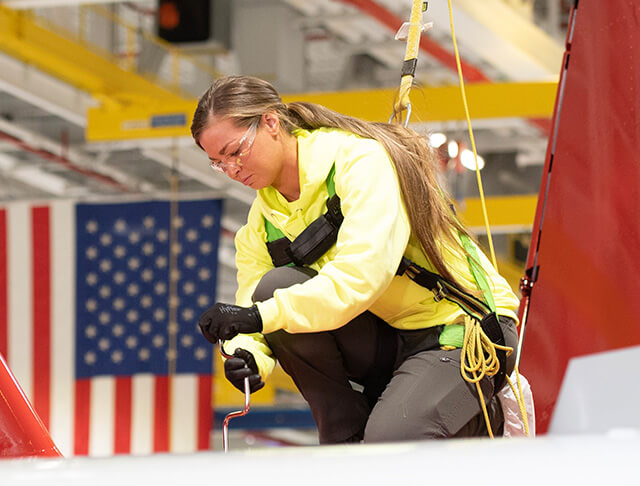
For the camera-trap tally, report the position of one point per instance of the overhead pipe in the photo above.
(63, 161)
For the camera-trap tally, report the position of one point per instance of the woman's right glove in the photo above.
(243, 364)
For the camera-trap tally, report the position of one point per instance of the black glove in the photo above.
(224, 321)
(241, 366)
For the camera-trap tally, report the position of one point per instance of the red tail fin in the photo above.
(22, 433)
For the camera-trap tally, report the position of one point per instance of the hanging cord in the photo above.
(471, 137)
(479, 358)
(415, 27)
(478, 354)
(172, 331)
(475, 365)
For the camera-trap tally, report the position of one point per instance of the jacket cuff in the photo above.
(260, 351)
(269, 312)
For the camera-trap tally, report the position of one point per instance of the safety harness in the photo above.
(316, 239)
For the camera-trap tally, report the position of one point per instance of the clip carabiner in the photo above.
(397, 113)
(439, 292)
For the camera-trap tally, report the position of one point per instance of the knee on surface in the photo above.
(404, 426)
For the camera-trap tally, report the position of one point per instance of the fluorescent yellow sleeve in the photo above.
(252, 257)
(371, 242)
(256, 345)
(358, 272)
(252, 261)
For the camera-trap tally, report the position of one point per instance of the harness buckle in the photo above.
(438, 292)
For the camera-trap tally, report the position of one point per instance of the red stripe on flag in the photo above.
(204, 411)
(82, 416)
(41, 312)
(4, 311)
(161, 415)
(122, 432)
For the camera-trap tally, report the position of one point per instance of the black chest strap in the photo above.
(313, 242)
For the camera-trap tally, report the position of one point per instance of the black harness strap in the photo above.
(321, 234)
(313, 242)
(492, 329)
(443, 289)
(279, 252)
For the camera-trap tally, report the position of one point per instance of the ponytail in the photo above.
(428, 207)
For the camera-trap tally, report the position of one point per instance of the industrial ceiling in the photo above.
(301, 46)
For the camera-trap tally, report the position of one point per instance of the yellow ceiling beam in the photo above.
(429, 104)
(73, 62)
(506, 213)
(125, 122)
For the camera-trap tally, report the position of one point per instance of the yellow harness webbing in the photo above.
(410, 61)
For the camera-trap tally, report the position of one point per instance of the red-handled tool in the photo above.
(239, 413)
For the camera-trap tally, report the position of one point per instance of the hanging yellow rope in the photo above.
(174, 214)
(478, 358)
(478, 354)
(471, 137)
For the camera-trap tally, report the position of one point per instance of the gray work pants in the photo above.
(425, 395)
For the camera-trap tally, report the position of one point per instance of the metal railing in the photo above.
(134, 48)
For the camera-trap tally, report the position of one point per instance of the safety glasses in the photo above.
(244, 147)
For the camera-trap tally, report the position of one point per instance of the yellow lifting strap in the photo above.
(410, 61)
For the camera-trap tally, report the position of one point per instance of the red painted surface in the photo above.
(4, 311)
(586, 238)
(22, 433)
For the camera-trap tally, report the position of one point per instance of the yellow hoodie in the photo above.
(358, 272)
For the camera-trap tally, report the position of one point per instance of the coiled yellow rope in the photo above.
(480, 356)
(478, 359)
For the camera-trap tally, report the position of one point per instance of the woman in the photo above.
(336, 308)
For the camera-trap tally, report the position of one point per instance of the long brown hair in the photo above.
(246, 98)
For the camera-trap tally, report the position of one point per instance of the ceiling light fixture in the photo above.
(437, 139)
(468, 160)
(452, 149)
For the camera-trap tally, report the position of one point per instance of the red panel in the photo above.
(4, 312)
(22, 433)
(585, 299)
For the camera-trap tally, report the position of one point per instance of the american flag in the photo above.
(87, 296)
